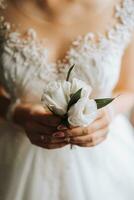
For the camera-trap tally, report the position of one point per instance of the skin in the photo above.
(132, 117)
(53, 23)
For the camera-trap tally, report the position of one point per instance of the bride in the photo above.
(39, 41)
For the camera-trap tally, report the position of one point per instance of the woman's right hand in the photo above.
(40, 126)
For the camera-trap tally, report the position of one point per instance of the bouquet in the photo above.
(72, 102)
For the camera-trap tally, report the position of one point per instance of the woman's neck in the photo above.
(62, 12)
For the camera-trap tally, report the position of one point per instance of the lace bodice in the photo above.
(24, 65)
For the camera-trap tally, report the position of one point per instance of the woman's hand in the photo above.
(40, 126)
(93, 134)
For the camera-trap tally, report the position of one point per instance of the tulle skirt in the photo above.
(104, 172)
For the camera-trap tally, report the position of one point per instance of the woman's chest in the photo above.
(58, 38)
(97, 56)
(98, 64)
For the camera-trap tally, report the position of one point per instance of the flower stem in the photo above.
(66, 123)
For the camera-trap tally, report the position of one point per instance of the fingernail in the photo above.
(59, 134)
(61, 127)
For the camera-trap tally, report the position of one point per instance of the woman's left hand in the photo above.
(93, 134)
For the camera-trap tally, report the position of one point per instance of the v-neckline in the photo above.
(91, 35)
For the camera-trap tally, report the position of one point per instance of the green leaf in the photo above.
(103, 102)
(69, 72)
(74, 98)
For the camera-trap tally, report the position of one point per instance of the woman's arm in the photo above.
(38, 124)
(125, 86)
(132, 116)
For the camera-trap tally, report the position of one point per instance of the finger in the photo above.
(45, 138)
(58, 141)
(35, 140)
(73, 132)
(34, 127)
(46, 118)
(81, 131)
(90, 138)
(50, 146)
(98, 124)
(36, 137)
(92, 144)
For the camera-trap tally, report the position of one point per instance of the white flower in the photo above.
(56, 96)
(82, 113)
(77, 84)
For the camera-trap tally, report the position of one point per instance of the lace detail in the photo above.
(98, 63)
(24, 62)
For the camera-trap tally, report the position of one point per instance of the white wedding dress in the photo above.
(104, 172)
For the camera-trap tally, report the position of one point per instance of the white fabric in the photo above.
(28, 172)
